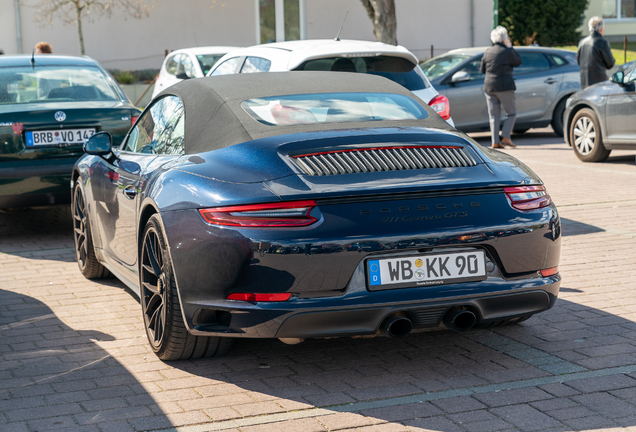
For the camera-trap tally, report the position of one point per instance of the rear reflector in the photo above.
(441, 106)
(550, 271)
(133, 119)
(281, 214)
(528, 197)
(256, 297)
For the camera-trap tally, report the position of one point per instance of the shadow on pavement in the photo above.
(38, 233)
(571, 227)
(54, 377)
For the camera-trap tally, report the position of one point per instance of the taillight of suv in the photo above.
(441, 106)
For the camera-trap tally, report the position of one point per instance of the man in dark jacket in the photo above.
(499, 85)
(594, 54)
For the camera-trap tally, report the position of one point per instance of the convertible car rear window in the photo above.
(332, 108)
(50, 84)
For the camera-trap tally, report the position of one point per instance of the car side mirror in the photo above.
(100, 144)
(182, 76)
(460, 77)
(618, 78)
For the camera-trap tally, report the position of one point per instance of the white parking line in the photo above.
(383, 403)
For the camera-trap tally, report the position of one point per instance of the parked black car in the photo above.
(49, 106)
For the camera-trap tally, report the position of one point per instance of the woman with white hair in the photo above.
(594, 54)
(499, 85)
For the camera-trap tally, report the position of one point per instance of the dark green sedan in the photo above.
(50, 105)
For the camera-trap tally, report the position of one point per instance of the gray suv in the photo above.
(545, 80)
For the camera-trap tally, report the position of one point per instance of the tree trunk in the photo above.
(382, 15)
(78, 11)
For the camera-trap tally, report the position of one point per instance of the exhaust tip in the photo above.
(396, 327)
(460, 320)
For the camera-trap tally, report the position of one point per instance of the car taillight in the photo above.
(283, 214)
(441, 106)
(133, 119)
(257, 297)
(528, 197)
(550, 272)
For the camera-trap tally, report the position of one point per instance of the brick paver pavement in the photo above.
(74, 356)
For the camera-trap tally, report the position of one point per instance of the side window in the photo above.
(171, 65)
(557, 60)
(256, 64)
(473, 71)
(171, 135)
(630, 76)
(186, 66)
(160, 130)
(229, 66)
(532, 62)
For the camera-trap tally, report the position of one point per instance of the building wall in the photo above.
(122, 42)
(614, 29)
(420, 23)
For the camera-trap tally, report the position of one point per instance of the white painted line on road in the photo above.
(600, 203)
(418, 398)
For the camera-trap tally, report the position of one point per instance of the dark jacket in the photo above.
(595, 57)
(497, 64)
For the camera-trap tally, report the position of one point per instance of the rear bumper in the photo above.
(42, 183)
(330, 292)
(304, 318)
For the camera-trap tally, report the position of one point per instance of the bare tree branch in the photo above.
(73, 11)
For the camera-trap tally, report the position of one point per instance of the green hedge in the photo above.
(546, 22)
(129, 77)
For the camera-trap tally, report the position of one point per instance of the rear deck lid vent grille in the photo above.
(377, 159)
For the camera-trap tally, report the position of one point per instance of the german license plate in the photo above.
(58, 136)
(426, 270)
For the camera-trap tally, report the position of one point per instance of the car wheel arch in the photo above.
(149, 208)
(562, 100)
(575, 109)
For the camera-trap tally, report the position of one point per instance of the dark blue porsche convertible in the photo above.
(306, 205)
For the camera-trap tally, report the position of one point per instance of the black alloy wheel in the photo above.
(586, 138)
(163, 320)
(88, 264)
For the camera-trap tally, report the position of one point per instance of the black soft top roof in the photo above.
(215, 119)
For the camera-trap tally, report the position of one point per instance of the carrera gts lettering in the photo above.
(424, 208)
(425, 218)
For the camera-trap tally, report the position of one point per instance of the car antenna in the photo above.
(341, 25)
(33, 59)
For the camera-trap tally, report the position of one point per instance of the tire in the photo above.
(163, 320)
(586, 138)
(84, 249)
(557, 118)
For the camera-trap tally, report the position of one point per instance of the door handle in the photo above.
(130, 192)
(550, 81)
